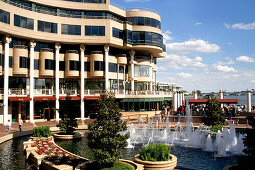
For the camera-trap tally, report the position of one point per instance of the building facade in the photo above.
(82, 48)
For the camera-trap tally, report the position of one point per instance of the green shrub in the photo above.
(104, 137)
(41, 131)
(215, 128)
(155, 152)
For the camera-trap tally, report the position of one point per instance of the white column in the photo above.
(195, 94)
(7, 41)
(248, 100)
(32, 45)
(221, 97)
(106, 72)
(57, 48)
(183, 99)
(118, 78)
(82, 49)
(175, 101)
(221, 94)
(124, 80)
(132, 58)
(151, 72)
(179, 99)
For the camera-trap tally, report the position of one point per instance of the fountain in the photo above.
(223, 144)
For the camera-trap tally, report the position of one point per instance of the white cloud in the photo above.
(162, 68)
(167, 35)
(241, 26)
(245, 59)
(225, 69)
(252, 81)
(193, 46)
(198, 23)
(184, 75)
(182, 62)
(228, 62)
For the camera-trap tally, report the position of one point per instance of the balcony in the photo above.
(25, 92)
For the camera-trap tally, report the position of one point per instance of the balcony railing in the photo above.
(86, 92)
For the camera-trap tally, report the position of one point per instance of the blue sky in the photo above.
(210, 43)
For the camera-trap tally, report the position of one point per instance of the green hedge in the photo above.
(155, 152)
(41, 131)
(215, 128)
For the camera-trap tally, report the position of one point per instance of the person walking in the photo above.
(20, 124)
(9, 124)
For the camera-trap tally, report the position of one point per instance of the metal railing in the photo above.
(86, 92)
(134, 8)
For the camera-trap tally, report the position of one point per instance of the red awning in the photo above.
(44, 98)
(72, 97)
(203, 101)
(91, 97)
(22, 99)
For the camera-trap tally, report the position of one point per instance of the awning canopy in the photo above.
(91, 97)
(71, 98)
(45, 98)
(22, 99)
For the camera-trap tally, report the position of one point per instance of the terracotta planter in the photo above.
(164, 165)
(67, 137)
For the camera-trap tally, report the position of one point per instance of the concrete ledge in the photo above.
(77, 135)
(30, 132)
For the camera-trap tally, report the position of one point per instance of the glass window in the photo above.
(49, 64)
(47, 26)
(4, 16)
(95, 30)
(142, 71)
(117, 33)
(70, 29)
(147, 21)
(74, 65)
(140, 21)
(36, 64)
(23, 22)
(121, 69)
(112, 67)
(61, 65)
(86, 66)
(22, 62)
(10, 61)
(98, 66)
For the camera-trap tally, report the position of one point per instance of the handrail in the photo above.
(46, 50)
(20, 46)
(24, 91)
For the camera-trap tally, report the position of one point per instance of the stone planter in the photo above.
(47, 165)
(131, 163)
(164, 165)
(67, 137)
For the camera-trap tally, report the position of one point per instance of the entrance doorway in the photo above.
(49, 113)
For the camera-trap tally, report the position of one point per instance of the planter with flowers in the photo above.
(43, 151)
(156, 156)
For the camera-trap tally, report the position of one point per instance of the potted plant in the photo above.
(156, 156)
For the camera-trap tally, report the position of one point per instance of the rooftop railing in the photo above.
(133, 9)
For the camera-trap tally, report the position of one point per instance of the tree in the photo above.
(247, 161)
(105, 139)
(68, 112)
(214, 114)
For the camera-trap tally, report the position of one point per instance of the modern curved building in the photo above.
(49, 49)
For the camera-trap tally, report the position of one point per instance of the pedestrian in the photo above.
(179, 117)
(20, 124)
(9, 124)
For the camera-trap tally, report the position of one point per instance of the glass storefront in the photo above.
(44, 110)
(72, 84)
(136, 105)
